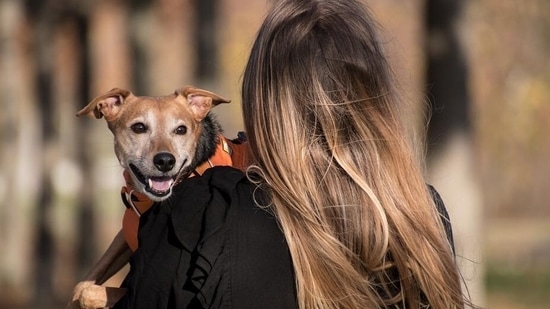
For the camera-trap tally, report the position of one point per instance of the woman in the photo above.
(334, 212)
(325, 133)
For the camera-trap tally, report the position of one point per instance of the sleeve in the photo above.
(444, 215)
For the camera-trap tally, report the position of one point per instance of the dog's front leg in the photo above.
(88, 293)
(117, 255)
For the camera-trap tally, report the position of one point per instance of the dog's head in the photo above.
(155, 137)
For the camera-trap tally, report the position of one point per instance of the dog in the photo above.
(158, 141)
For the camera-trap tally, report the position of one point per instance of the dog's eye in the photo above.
(181, 130)
(139, 128)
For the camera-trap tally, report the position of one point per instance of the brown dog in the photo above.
(158, 140)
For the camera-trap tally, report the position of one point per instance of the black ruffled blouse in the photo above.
(210, 246)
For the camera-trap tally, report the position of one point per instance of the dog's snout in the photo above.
(164, 161)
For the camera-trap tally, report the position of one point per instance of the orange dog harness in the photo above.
(228, 153)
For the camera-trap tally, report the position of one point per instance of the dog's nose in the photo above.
(164, 161)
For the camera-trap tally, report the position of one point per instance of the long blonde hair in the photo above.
(327, 140)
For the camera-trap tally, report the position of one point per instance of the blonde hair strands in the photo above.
(328, 142)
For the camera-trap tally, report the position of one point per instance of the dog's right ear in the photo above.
(106, 105)
(200, 101)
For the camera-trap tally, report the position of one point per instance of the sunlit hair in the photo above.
(328, 143)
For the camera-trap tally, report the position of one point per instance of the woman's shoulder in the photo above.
(260, 266)
(262, 275)
(237, 187)
(223, 177)
(222, 191)
(443, 214)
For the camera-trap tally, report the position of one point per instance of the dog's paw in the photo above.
(77, 292)
(93, 296)
(88, 295)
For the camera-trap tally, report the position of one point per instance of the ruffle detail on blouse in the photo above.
(199, 224)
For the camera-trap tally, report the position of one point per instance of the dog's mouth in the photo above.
(159, 186)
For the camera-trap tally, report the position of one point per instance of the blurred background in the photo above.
(480, 68)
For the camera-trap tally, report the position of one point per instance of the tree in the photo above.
(450, 147)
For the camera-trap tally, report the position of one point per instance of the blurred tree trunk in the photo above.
(162, 45)
(450, 147)
(54, 33)
(236, 30)
(44, 245)
(109, 45)
(20, 169)
(108, 52)
(68, 84)
(206, 42)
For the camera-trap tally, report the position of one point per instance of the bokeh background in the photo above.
(481, 68)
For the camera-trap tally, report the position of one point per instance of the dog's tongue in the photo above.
(160, 184)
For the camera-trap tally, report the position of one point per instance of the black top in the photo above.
(211, 246)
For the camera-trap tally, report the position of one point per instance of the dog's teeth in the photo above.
(160, 185)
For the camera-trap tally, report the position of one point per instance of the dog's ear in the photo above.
(106, 105)
(200, 101)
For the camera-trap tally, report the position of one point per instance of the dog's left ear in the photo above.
(106, 105)
(200, 101)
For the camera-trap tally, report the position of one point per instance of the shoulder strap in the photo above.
(239, 151)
